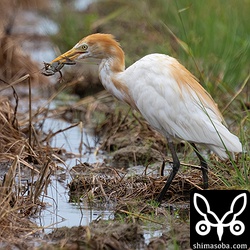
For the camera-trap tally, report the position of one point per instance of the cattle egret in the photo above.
(167, 95)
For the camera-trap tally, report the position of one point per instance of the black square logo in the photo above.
(220, 219)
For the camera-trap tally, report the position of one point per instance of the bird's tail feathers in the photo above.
(229, 143)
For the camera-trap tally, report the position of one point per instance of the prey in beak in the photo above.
(57, 64)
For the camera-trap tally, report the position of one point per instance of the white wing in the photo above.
(175, 104)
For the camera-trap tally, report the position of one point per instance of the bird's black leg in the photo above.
(162, 168)
(204, 167)
(176, 166)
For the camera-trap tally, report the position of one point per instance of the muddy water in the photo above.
(59, 212)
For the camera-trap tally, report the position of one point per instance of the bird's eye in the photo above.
(84, 47)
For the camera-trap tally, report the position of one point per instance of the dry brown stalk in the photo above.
(7, 184)
(112, 187)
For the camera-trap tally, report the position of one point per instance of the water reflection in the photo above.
(59, 212)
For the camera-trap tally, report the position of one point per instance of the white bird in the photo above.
(167, 95)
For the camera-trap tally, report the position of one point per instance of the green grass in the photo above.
(72, 26)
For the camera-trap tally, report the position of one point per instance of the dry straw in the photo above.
(21, 154)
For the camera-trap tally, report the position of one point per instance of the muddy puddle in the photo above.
(58, 211)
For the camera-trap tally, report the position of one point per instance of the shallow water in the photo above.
(59, 212)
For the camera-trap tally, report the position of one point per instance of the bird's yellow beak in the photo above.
(68, 57)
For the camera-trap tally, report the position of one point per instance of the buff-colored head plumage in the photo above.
(98, 46)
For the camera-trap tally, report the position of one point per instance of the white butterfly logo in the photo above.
(203, 227)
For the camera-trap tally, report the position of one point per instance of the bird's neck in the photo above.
(113, 78)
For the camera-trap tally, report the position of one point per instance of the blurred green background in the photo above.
(211, 38)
